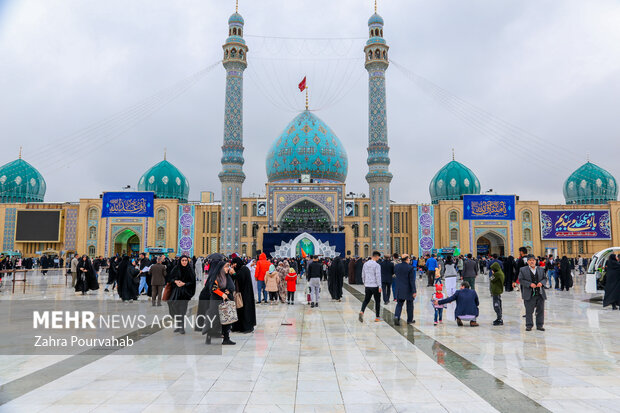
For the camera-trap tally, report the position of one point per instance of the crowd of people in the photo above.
(250, 282)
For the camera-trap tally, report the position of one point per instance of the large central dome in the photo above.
(307, 147)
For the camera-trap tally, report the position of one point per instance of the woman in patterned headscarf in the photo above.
(282, 270)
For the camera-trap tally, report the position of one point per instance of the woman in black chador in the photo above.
(509, 273)
(183, 279)
(126, 287)
(335, 278)
(86, 278)
(219, 287)
(612, 283)
(566, 278)
(247, 313)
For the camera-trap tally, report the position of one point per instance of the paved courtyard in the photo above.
(324, 360)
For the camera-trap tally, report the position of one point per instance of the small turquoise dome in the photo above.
(236, 18)
(307, 146)
(166, 181)
(21, 182)
(590, 184)
(452, 181)
(375, 19)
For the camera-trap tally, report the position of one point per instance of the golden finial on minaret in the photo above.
(237, 7)
(588, 157)
(375, 6)
(307, 102)
(165, 153)
(452, 153)
(20, 152)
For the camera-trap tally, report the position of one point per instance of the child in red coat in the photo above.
(291, 286)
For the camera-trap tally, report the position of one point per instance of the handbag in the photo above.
(238, 297)
(167, 292)
(228, 312)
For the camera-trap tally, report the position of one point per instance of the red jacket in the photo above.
(291, 282)
(262, 266)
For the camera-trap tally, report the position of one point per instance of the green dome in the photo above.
(307, 146)
(166, 181)
(21, 182)
(452, 181)
(590, 184)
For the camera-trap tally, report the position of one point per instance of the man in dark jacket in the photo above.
(520, 263)
(313, 275)
(466, 305)
(387, 276)
(405, 289)
(470, 271)
(532, 279)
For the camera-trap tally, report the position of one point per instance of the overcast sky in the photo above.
(551, 68)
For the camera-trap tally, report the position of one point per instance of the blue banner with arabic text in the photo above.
(127, 204)
(489, 207)
(575, 224)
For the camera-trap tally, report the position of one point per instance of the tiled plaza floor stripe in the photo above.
(18, 387)
(491, 389)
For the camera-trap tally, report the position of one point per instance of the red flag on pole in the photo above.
(302, 85)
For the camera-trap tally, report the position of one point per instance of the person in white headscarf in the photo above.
(252, 267)
(199, 269)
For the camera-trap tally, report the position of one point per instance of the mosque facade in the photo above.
(306, 208)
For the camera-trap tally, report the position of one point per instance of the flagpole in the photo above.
(306, 97)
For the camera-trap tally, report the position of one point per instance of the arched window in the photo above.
(92, 214)
(454, 216)
(244, 250)
(381, 32)
(357, 210)
(366, 230)
(366, 210)
(356, 231)
(527, 216)
(366, 251)
(92, 233)
(233, 52)
(254, 230)
(527, 234)
(91, 251)
(253, 210)
(244, 210)
(377, 53)
(161, 233)
(244, 230)
(384, 54)
(161, 214)
(454, 235)
(240, 32)
(370, 55)
(234, 32)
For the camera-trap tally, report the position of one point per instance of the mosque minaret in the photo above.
(232, 176)
(379, 175)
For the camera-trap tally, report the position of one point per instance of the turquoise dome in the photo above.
(375, 19)
(590, 184)
(307, 146)
(452, 181)
(21, 182)
(236, 18)
(166, 181)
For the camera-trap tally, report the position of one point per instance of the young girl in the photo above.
(271, 284)
(291, 286)
(439, 307)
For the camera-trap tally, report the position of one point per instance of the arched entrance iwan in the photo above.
(490, 243)
(127, 242)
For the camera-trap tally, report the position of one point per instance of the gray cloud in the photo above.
(550, 67)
